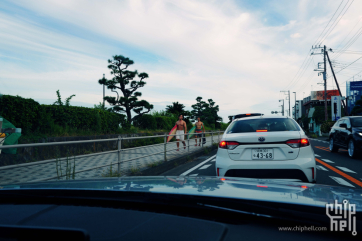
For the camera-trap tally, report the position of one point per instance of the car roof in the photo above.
(249, 114)
(262, 117)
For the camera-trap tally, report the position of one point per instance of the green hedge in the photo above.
(145, 122)
(84, 118)
(33, 117)
(22, 113)
(164, 122)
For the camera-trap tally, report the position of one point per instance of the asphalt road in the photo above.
(335, 169)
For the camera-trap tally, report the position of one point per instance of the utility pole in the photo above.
(282, 106)
(289, 101)
(288, 98)
(335, 79)
(325, 84)
(295, 106)
(324, 72)
(103, 92)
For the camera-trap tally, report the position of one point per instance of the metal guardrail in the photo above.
(119, 150)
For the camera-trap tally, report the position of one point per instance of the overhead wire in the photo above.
(328, 23)
(307, 60)
(334, 25)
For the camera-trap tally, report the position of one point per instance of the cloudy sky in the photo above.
(241, 54)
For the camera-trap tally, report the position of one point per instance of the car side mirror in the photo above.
(343, 125)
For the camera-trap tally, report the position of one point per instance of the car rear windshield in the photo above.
(356, 122)
(263, 124)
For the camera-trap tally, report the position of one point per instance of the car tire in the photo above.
(352, 152)
(332, 146)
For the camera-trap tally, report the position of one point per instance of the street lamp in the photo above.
(282, 107)
(295, 104)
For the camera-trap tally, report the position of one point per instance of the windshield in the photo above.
(356, 122)
(188, 94)
(268, 124)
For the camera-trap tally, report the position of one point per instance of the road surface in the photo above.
(335, 169)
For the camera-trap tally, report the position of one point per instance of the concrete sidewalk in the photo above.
(48, 170)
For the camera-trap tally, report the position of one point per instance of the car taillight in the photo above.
(298, 143)
(304, 142)
(261, 130)
(228, 145)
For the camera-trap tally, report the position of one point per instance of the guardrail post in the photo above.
(202, 139)
(212, 138)
(188, 142)
(165, 157)
(119, 154)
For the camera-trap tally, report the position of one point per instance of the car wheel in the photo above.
(332, 146)
(352, 152)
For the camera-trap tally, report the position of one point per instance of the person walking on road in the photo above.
(198, 130)
(180, 132)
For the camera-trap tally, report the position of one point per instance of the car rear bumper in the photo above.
(301, 168)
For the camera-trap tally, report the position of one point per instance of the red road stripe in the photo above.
(325, 148)
(354, 180)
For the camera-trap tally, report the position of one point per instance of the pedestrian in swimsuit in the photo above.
(180, 132)
(198, 130)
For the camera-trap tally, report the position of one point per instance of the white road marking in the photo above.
(317, 155)
(214, 160)
(345, 169)
(321, 168)
(341, 181)
(204, 167)
(193, 175)
(326, 160)
(197, 166)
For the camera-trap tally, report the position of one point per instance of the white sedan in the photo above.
(266, 148)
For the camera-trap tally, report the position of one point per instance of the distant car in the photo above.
(245, 115)
(266, 148)
(347, 133)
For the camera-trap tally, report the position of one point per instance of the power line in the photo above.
(347, 66)
(328, 23)
(334, 25)
(301, 67)
(349, 32)
(307, 61)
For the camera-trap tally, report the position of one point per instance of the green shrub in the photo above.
(33, 117)
(326, 126)
(22, 113)
(163, 122)
(145, 122)
(84, 118)
(223, 126)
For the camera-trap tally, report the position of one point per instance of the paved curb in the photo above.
(166, 166)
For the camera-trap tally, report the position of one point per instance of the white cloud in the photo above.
(217, 50)
(295, 35)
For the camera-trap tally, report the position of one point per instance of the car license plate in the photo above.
(262, 153)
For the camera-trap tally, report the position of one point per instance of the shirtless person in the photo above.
(198, 130)
(181, 130)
